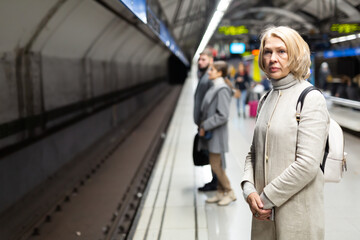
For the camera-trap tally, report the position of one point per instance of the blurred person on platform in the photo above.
(204, 84)
(214, 130)
(283, 182)
(231, 73)
(242, 83)
(347, 88)
(324, 75)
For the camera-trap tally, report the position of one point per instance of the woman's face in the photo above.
(213, 73)
(241, 68)
(275, 58)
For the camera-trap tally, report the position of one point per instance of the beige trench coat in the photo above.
(284, 161)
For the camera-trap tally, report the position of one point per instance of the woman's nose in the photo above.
(273, 57)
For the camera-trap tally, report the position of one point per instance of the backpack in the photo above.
(334, 159)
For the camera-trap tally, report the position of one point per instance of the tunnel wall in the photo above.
(35, 163)
(61, 59)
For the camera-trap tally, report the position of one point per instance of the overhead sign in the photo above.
(153, 22)
(138, 7)
(237, 48)
(233, 30)
(345, 28)
(348, 52)
(159, 28)
(166, 37)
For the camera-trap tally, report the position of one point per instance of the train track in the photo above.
(97, 195)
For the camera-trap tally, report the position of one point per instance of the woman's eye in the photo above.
(267, 52)
(282, 51)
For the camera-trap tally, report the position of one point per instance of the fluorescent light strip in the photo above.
(215, 20)
(344, 38)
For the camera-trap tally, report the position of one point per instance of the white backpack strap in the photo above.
(298, 111)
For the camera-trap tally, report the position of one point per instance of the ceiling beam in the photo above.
(178, 7)
(187, 16)
(277, 11)
(191, 18)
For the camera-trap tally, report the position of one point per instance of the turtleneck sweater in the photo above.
(284, 83)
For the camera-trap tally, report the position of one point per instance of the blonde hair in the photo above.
(297, 49)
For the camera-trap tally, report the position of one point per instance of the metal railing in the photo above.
(343, 101)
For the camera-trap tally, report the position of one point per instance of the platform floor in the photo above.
(173, 209)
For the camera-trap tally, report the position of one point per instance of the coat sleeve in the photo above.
(196, 110)
(312, 135)
(198, 97)
(222, 111)
(250, 158)
(249, 167)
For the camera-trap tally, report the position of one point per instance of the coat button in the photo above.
(266, 158)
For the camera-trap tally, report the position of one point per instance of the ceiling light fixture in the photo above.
(344, 38)
(215, 20)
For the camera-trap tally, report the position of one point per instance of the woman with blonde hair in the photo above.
(214, 130)
(283, 183)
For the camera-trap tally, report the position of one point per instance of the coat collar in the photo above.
(218, 81)
(284, 83)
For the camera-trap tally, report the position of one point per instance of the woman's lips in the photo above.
(274, 69)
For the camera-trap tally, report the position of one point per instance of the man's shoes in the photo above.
(208, 187)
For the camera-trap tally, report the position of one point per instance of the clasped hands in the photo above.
(256, 207)
(201, 132)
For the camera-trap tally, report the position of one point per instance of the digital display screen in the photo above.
(237, 48)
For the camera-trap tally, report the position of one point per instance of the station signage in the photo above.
(153, 22)
(345, 28)
(233, 30)
(138, 7)
(348, 52)
(159, 28)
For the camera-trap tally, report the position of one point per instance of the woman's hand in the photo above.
(201, 132)
(239, 79)
(256, 207)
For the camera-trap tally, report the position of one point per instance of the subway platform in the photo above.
(173, 209)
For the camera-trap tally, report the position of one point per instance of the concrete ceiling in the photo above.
(187, 19)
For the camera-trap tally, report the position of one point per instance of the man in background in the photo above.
(204, 61)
